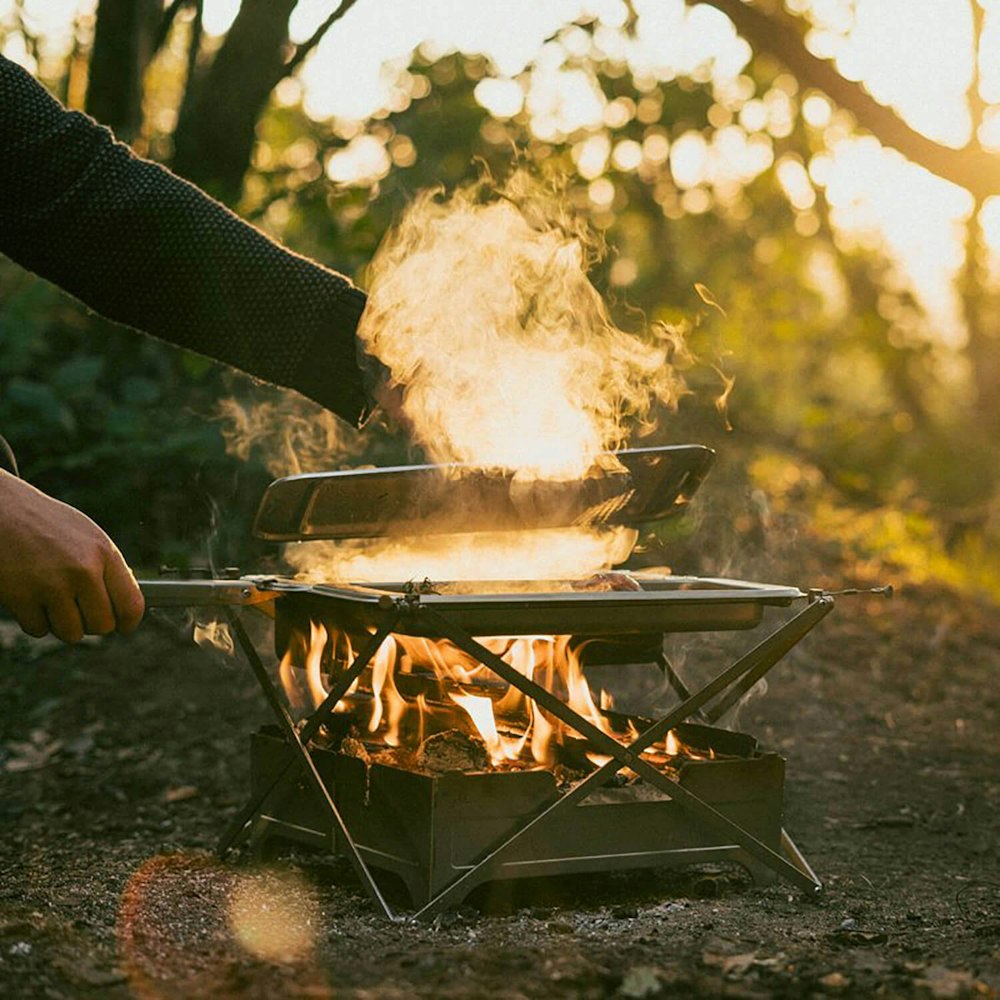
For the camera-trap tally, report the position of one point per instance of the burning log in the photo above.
(452, 750)
(426, 704)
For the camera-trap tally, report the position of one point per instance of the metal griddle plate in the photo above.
(438, 499)
(665, 604)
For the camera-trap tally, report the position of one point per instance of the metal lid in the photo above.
(646, 484)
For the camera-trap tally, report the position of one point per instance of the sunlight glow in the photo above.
(794, 180)
(362, 161)
(564, 101)
(929, 92)
(541, 70)
(218, 15)
(51, 21)
(689, 159)
(879, 199)
(501, 98)
(989, 219)
(591, 155)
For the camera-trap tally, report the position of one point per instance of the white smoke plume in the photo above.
(291, 435)
(482, 309)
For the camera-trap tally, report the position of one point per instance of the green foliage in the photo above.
(115, 424)
(120, 425)
(810, 333)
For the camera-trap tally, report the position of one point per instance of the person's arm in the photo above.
(147, 249)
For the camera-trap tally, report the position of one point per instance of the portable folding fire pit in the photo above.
(636, 792)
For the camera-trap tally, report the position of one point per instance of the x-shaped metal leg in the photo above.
(299, 741)
(757, 661)
(738, 678)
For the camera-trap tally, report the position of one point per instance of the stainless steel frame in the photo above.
(389, 615)
(665, 604)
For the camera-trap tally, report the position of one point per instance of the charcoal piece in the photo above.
(351, 747)
(452, 750)
(567, 776)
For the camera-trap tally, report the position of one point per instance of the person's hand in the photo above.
(383, 390)
(388, 394)
(59, 572)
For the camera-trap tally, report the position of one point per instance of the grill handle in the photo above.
(205, 593)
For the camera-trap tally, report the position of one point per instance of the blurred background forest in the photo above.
(824, 167)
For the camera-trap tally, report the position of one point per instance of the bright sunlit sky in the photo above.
(913, 54)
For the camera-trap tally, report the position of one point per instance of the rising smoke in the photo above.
(481, 308)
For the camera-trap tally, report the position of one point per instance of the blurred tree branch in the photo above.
(303, 50)
(977, 106)
(214, 139)
(167, 21)
(781, 36)
(216, 133)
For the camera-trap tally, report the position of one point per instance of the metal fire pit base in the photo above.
(430, 830)
(560, 812)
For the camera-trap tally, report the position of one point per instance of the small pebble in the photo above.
(450, 918)
(849, 924)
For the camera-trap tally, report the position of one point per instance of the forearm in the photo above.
(145, 248)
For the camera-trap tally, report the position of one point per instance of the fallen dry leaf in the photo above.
(834, 981)
(734, 966)
(32, 754)
(943, 983)
(180, 794)
(640, 981)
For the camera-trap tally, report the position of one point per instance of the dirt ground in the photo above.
(121, 761)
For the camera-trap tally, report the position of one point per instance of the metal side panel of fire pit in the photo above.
(428, 830)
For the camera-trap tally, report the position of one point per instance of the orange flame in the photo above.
(314, 661)
(512, 726)
(480, 710)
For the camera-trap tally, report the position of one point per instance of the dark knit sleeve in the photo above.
(145, 248)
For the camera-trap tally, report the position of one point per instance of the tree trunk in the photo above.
(123, 45)
(214, 140)
(980, 303)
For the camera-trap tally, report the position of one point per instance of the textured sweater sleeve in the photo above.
(143, 247)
